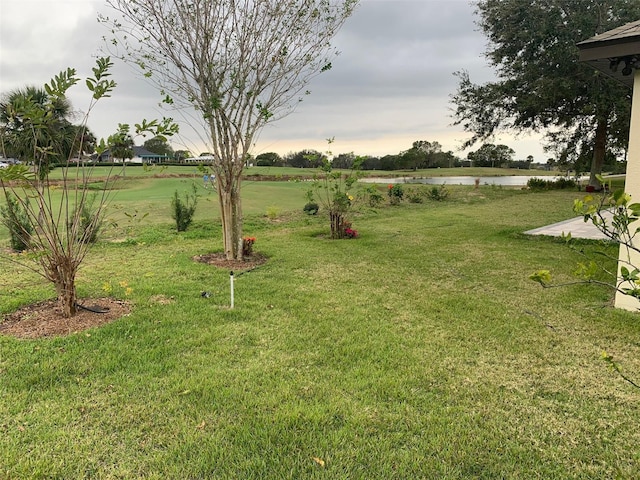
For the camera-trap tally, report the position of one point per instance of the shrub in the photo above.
(374, 196)
(415, 195)
(182, 211)
(273, 212)
(395, 192)
(311, 208)
(559, 184)
(45, 136)
(438, 194)
(331, 189)
(536, 183)
(90, 222)
(247, 246)
(564, 182)
(348, 231)
(15, 218)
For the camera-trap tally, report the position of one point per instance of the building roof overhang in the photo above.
(616, 52)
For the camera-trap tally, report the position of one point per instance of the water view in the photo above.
(504, 181)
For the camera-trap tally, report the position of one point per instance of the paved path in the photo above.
(577, 226)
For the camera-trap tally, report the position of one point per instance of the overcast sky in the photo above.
(390, 86)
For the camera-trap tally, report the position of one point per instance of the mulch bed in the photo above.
(219, 260)
(44, 319)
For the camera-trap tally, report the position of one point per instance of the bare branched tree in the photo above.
(239, 63)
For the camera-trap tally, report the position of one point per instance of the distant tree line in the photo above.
(422, 155)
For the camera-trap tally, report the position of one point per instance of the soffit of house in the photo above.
(611, 52)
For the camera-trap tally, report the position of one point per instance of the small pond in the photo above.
(504, 181)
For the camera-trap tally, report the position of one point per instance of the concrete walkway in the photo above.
(577, 226)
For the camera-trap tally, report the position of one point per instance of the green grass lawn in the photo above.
(418, 350)
(152, 196)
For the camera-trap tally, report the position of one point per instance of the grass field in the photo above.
(418, 350)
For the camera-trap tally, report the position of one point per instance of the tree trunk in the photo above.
(238, 222)
(337, 225)
(231, 216)
(599, 151)
(66, 290)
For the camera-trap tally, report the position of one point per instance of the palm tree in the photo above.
(34, 127)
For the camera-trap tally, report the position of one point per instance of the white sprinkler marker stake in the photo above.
(231, 281)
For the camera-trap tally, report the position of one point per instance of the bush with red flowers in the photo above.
(247, 246)
(349, 232)
(396, 192)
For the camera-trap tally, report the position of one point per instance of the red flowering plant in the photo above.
(396, 192)
(349, 232)
(247, 246)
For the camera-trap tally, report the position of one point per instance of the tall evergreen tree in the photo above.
(541, 86)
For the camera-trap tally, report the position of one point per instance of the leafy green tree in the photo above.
(121, 145)
(529, 161)
(307, 158)
(412, 159)
(240, 63)
(180, 155)
(160, 146)
(390, 162)
(85, 141)
(541, 85)
(268, 159)
(371, 163)
(422, 154)
(53, 141)
(344, 161)
(490, 155)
